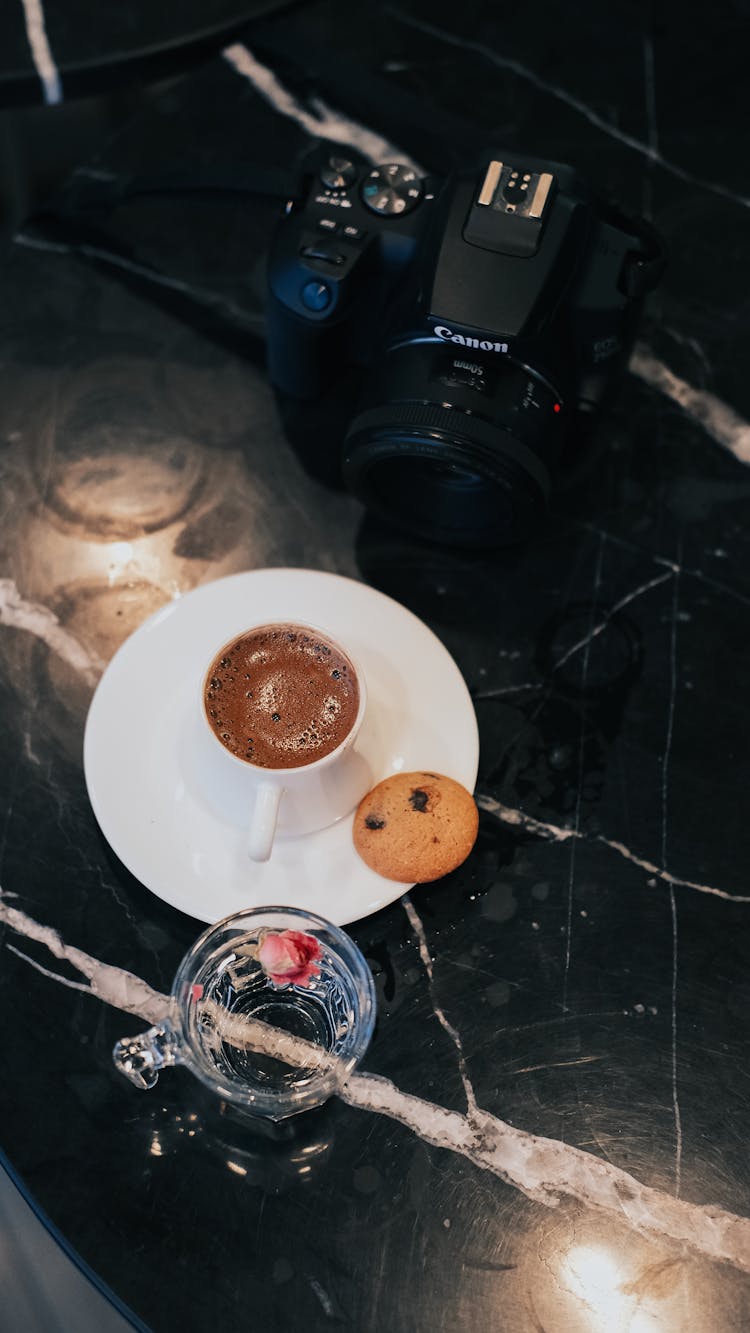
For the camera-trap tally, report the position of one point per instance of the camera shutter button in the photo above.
(316, 296)
(338, 173)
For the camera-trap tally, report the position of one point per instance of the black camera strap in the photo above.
(643, 265)
(89, 192)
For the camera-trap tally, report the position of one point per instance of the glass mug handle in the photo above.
(263, 822)
(140, 1058)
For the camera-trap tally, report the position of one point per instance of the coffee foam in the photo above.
(281, 696)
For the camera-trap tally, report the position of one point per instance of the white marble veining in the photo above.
(596, 589)
(327, 1305)
(424, 953)
(690, 571)
(47, 972)
(672, 900)
(546, 1170)
(321, 121)
(649, 84)
(114, 985)
(719, 420)
(17, 612)
(601, 625)
(556, 833)
(649, 79)
(506, 689)
(41, 52)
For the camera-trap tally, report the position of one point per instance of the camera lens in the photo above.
(454, 447)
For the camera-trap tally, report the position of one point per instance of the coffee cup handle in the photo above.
(263, 823)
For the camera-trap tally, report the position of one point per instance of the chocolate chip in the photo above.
(418, 800)
(373, 822)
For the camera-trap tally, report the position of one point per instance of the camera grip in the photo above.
(302, 355)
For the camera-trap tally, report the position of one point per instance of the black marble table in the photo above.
(51, 52)
(548, 1132)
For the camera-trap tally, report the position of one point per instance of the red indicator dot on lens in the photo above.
(556, 407)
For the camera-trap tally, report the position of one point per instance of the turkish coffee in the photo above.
(281, 696)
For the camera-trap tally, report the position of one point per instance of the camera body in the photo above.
(487, 312)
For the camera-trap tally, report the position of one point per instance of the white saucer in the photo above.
(142, 744)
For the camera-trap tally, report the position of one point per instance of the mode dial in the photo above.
(391, 189)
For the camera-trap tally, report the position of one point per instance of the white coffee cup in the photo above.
(304, 797)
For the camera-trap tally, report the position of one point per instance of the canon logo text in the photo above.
(463, 340)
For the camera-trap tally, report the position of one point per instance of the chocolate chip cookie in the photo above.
(415, 827)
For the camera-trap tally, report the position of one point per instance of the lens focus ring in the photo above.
(447, 421)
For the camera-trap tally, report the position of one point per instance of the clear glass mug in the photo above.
(271, 1009)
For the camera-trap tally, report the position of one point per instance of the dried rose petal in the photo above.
(288, 957)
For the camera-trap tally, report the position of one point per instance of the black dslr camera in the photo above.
(488, 310)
